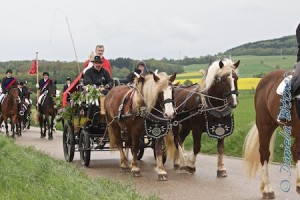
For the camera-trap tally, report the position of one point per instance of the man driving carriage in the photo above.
(44, 85)
(98, 76)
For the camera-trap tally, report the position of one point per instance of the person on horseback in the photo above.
(44, 85)
(22, 92)
(140, 68)
(6, 84)
(68, 83)
(98, 76)
(295, 81)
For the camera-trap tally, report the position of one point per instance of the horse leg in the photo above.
(135, 147)
(6, 127)
(179, 158)
(296, 158)
(265, 135)
(115, 138)
(221, 173)
(191, 160)
(160, 169)
(50, 128)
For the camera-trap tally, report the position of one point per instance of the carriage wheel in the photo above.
(140, 153)
(68, 142)
(84, 148)
(164, 151)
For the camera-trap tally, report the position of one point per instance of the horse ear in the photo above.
(141, 79)
(172, 78)
(155, 78)
(221, 64)
(176, 84)
(236, 64)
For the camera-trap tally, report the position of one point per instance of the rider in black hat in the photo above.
(295, 81)
(68, 83)
(44, 84)
(7, 83)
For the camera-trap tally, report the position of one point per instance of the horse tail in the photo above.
(170, 145)
(251, 151)
(112, 137)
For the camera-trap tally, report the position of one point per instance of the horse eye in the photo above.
(219, 79)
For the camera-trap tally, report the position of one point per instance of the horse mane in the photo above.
(215, 70)
(150, 90)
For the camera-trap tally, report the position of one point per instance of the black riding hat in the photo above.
(68, 79)
(97, 59)
(9, 71)
(45, 73)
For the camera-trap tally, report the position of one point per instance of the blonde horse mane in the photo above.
(150, 90)
(215, 70)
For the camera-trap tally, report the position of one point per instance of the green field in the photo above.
(250, 65)
(29, 174)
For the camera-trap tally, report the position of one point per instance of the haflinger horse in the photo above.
(260, 139)
(147, 92)
(9, 109)
(47, 111)
(200, 105)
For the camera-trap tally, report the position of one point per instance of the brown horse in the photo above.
(216, 96)
(25, 109)
(260, 139)
(147, 92)
(9, 109)
(48, 111)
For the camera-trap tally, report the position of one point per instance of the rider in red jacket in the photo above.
(99, 51)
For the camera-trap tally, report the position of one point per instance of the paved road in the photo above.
(202, 185)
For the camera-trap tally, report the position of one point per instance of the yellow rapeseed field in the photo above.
(243, 83)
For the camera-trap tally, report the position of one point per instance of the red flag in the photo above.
(33, 67)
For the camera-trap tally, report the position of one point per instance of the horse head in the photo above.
(158, 88)
(53, 89)
(14, 94)
(221, 81)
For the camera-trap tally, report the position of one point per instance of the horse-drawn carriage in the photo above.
(155, 105)
(86, 128)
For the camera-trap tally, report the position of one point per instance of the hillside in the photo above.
(286, 45)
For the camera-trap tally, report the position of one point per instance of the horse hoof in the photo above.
(50, 138)
(269, 195)
(191, 170)
(136, 173)
(221, 173)
(125, 169)
(298, 189)
(162, 177)
(42, 136)
(184, 168)
(176, 167)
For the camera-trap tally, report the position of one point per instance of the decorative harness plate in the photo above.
(219, 127)
(156, 127)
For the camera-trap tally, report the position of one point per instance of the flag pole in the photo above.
(37, 77)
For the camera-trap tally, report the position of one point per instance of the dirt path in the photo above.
(202, 185)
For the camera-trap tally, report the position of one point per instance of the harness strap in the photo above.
(121, 106)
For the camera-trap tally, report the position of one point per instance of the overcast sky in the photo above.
(139, 29)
